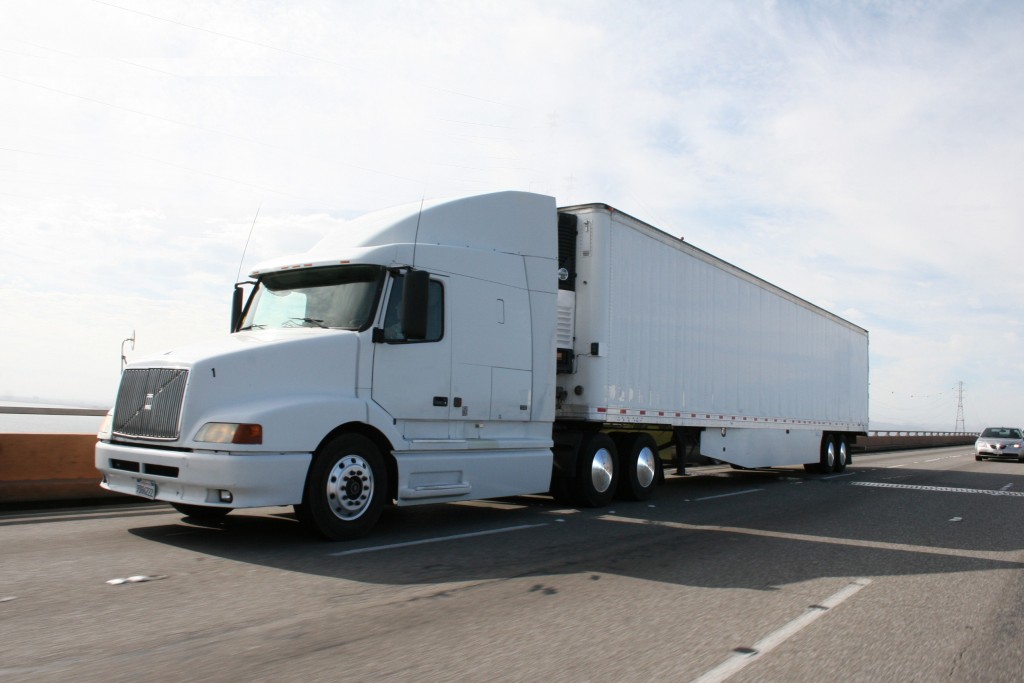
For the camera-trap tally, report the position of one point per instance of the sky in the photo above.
(866, 156)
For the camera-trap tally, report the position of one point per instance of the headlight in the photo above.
(230, 432)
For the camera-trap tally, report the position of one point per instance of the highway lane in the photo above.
(908, 566)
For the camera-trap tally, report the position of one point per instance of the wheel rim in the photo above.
(646, 468)
(602, 468)
(350, 487)
(830, 455)
(842, 454)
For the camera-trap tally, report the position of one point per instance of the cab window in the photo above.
(435, 312)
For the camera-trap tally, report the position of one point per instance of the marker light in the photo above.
(107, 425)
(230, 432)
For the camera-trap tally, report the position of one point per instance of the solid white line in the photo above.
(836, 476)
(440, 539)
(740, 660)
(1007, 487)
(726, 495)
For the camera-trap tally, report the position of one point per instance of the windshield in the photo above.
(1001, 433)
(337, 296)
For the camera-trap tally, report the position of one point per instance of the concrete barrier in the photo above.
(892, 441)
(49, 467)
(61, 467)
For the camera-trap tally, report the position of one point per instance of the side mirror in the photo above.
(236, 308)
(414, 304)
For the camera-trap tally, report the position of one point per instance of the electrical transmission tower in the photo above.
(960, 428)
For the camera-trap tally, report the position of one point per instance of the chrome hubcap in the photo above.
(602, 468)
(646, 467)
(350, 487)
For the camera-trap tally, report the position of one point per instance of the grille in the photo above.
(149, 403)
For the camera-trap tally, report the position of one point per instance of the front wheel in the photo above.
(346, 488)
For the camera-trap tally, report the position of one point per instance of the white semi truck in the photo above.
(483, 347)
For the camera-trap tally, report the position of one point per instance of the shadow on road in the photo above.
(750, 529)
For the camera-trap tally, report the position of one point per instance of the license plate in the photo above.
(145, 488)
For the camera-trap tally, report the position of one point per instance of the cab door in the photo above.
(412, 378)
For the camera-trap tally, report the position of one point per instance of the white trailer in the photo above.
(481, 347)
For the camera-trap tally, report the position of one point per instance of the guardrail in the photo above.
(971, 435)
(31, 410)
(894, 440)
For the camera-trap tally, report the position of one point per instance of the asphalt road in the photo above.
(907, 567)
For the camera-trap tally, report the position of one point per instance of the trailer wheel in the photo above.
(828, 454)
(345, 489)
(598, 471)
(204, 513)
(638, 454)
(842, 456)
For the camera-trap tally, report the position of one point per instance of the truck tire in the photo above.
(638, 456)
(345, 489)
(827, 463)
(842, 454)
(597, 471)
(205, 513)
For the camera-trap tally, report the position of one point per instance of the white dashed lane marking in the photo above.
(941, 489)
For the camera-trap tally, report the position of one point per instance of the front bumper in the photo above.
(995, 452)
(199, 478)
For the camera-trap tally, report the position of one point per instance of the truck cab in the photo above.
(408, 358)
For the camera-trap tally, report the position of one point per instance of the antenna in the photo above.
(416, 239)
(131, 340)
(246, 247)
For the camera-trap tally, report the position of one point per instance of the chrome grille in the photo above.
(149, 403)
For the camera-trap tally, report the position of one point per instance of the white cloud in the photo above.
(864, 155)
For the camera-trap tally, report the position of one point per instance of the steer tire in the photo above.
(346, 488)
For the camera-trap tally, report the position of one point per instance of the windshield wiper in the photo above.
(312, 321)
